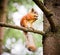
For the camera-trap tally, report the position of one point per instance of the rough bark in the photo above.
(51, 42)
(3, 4)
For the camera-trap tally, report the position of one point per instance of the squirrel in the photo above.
(27, 22)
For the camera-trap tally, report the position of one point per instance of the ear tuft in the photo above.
(32, 10)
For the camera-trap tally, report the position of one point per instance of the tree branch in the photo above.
(47, 13)
(21, 28)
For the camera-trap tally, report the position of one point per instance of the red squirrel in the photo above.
(27, 22)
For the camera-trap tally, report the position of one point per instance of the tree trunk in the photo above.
(3, 4)
(51, 41)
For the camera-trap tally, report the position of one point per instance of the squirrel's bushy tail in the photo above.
(30, 42)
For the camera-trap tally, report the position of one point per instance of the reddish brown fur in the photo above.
(29, 18)
(27, 22)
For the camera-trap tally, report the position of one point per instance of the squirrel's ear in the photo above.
(32, 10)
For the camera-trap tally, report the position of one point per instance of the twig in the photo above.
(21, 28)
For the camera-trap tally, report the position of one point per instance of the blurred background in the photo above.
(14, 42)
